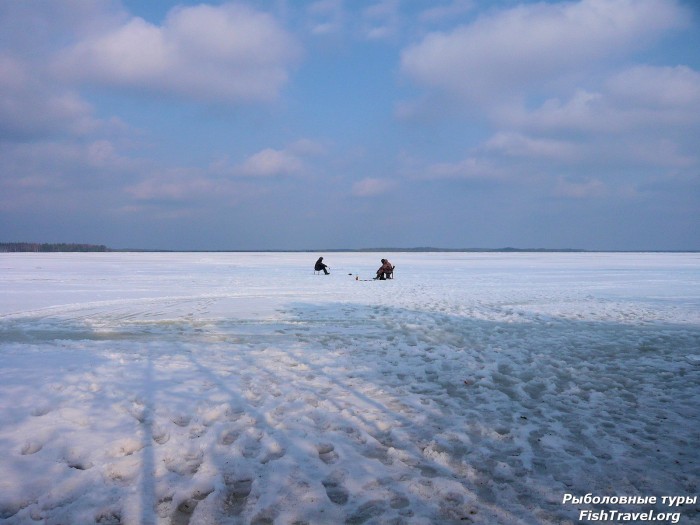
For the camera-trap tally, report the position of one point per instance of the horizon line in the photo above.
(86, 247)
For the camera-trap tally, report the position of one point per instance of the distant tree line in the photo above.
(50, 247)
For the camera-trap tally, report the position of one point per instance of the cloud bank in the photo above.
(523, 120)
(534, 45)
(226, 53)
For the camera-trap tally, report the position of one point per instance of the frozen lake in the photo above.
(209, 388)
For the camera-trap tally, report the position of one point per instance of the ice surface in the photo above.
(242, 388)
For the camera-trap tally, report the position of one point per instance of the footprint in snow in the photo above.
(108, 516)
(138, 411)
(183, 512)
(31, 447)
(399, 502)
(76, 459)
(273, 451)
(185, 465)
(126, 447)
(228, 437)
(181, 420)
(379, 453)
(250, 449)
(335, 491)
(327, 453)
(366, 512)
(197, 431)
(237, 492)
(250, 443)
(160, 434)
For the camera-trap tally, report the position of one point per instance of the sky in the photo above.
(330, 124)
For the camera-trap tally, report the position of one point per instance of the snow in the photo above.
(207, 388)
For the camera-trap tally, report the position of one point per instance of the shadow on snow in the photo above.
(349, 413)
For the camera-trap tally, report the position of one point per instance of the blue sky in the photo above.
(351, 124)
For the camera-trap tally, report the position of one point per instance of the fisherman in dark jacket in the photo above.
(320, 266)
(386, 270)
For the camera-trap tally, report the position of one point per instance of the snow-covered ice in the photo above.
(213, 388)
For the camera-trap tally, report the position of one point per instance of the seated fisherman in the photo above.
(320, 266)
(386, 270)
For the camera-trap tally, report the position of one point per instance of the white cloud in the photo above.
(587, 189)
(518, 145)
(326, 16)
(381, 19)
(675, 88)
(441, 13)
(371, 187)
(601, 113)
(72, 162)
(36, 27)
(45, 173)
(31, 107)
(640, 99)
(471, 168)
(221, 179)
(174, 185)
(227, 53)
(584, 111)
(306, 147)
(660, 152)
(270, 162)
(509, 51)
